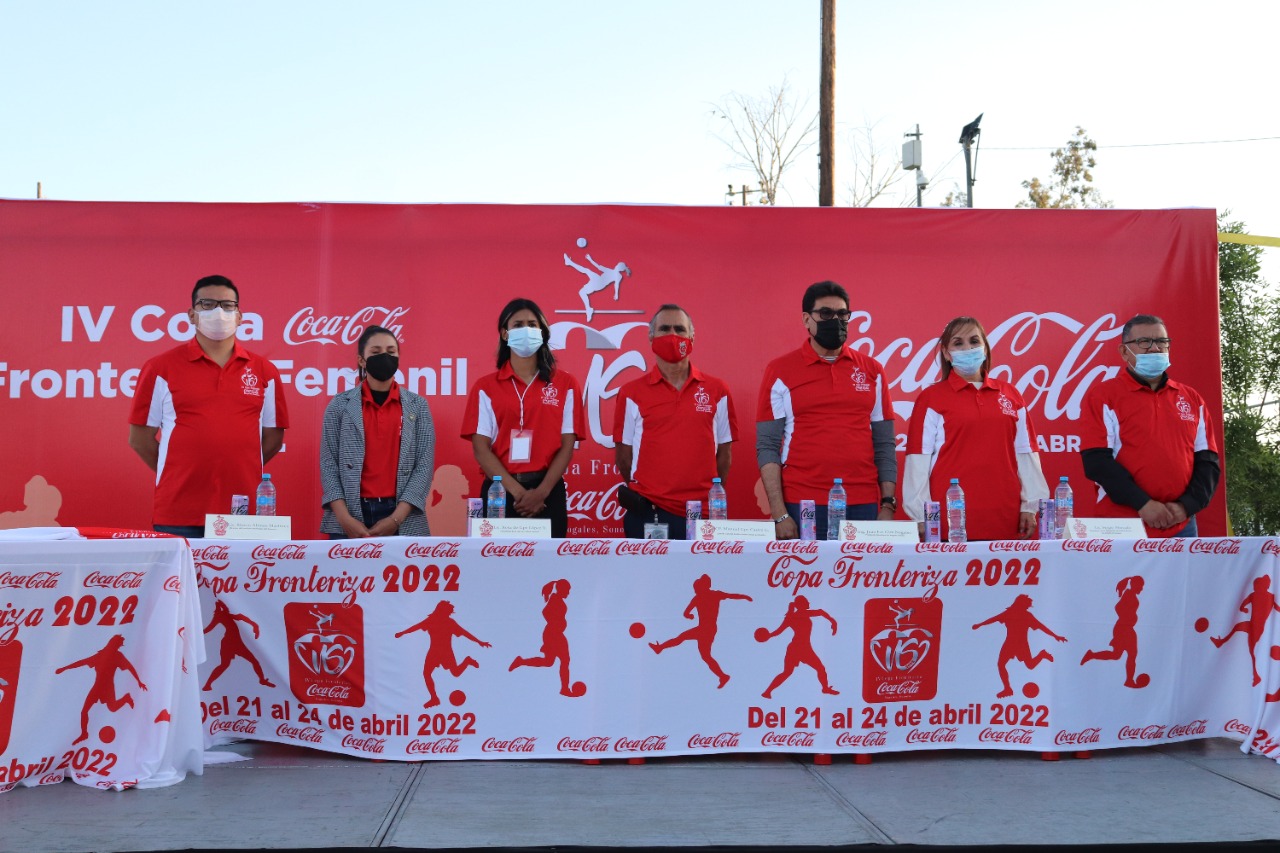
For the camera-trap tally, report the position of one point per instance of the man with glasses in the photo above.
(220, 412)
(823, 412)
(1146, 438)
(673, 430)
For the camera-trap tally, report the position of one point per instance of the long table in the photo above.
(448, 649)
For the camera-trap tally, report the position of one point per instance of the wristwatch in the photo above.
(781, 518)
(889, 501)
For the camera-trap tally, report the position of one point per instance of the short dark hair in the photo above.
(823, 288)
(214, 281)
(668, 306)
(1139, 320)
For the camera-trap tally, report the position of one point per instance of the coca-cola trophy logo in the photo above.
(220, 526)
(900, 648)
(326, 664)
(1078, 526)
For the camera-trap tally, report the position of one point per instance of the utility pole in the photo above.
(913, 159)
(744, 191)
(827, 108)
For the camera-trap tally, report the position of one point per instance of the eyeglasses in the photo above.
(1146, 344)
(828, 314)
(210, 304)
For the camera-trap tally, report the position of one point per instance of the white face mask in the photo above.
(524, 341)
(967, 361)
(216, 324)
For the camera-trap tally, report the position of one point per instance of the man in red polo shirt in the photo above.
(219, 409)
(824, 411)
(673, 430)
(1146, 440)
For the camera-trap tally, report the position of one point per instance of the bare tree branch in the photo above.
(876, 169)
(767, 134)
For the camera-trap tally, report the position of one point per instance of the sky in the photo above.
(560, 101)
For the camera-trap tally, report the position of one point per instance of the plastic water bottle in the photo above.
(1065, 508)
(266, 498)
(836, 503)
(955, 513)
(496, 503)
(717, 501)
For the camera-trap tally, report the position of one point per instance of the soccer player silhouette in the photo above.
(1018, 623)
(232, 645)
(799, 618)
(555, 645)
(105, 663)
(706, 603)
(1124, 636)
(601, 278)
(1259, 605)
(441, 629)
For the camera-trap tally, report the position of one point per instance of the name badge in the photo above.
(521, 445)
(656, 530)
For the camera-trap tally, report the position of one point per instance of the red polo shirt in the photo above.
(673, 435)
(975, 434)
(211, 420)
(1154, 435)
(828, 408)
(382, 426)
(551, 409)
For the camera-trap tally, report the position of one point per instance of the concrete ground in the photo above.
(291, 798)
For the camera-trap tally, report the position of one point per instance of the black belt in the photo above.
(530, 478)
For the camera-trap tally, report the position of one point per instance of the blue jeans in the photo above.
(1191, 531)
(373, 510)
(853, 512)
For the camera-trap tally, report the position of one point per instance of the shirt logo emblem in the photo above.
(249, 383)
(550, 396)
(702, 400)
(859, 378)
(1006, 406)
(1184, 409)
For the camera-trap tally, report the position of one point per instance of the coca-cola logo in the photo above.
(863, 740)
(306, 327)
(1020, 736)
(866, 548)
(52, 778)
(1272, 547)
(124, 580)
(595, 504)
(1014, 545)
(1195, 727)
(642, 547)
(509, 549)
(240, 727)
(592, 744)
(515, 744)
(792, 546)
(321, 692)
(724, 740)
(652, 743)
(373, 745)
(1215, 546)
(941, 547)
(942, 734)
(1237, 727)
(173, 584)
(308, 734)
(442, 746)
(34, 580)
(1152, 732)
(1084, 736)
(363, 551)
(710, 546)
(291, 551)
(431, 551)
(211, 553)
(1087, 546)
(1159, 546)
(791, 740)
(585, 548)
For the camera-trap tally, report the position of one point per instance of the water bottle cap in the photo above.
(955, 481)
(497, 479)
(1062, 479)
(715, 479)
(838, 480)
(266, 476)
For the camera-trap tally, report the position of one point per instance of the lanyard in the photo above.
(521, 394)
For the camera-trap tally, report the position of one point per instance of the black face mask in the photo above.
(382, 366)
(831, 334)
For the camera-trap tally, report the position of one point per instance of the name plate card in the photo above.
(733, 530)
(1105, 528)
(248, 526)
(509, 528)
(879, 531)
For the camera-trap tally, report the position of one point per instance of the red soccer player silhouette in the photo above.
(799, 618)
(232, 645)
(1259, 605)
(105, 663)
(1018, 623)
(441, 629)
(555, 645)
(1124, 636)
(706, 603)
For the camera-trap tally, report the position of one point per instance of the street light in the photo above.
(968, 138)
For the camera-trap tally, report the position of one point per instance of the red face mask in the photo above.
(672, 348)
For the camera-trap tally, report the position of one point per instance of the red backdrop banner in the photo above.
(95, 289)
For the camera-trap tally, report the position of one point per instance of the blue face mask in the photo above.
(1150, 364)
(525, 340)
(968, 362)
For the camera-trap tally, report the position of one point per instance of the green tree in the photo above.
(1250, 329)
(1072, 182)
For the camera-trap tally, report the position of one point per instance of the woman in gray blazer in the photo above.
(377, 451)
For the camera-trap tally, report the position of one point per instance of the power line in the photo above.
(1144, 144)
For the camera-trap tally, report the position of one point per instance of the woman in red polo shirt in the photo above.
(978, 429)
(523, 420)
(377, 450)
